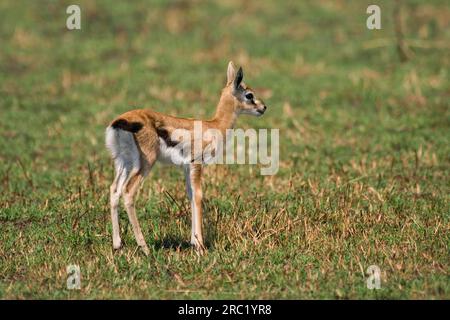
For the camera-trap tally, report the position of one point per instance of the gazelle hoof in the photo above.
(117, 246)
(146, 250)
(199, 248)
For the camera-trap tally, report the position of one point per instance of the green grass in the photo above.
(364, 155)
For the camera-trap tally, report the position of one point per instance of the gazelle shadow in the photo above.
(177, 242)
(172, 243)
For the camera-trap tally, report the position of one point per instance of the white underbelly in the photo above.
(173, 155)
(181, 154)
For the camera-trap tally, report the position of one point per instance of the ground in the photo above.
(364, 150)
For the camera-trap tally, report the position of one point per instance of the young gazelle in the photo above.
(138, 138)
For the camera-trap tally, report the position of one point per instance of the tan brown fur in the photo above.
(147, 137)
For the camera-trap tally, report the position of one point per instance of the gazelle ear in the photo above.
(238, 79)
(231, 72)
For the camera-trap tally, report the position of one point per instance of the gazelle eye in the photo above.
(249, 96)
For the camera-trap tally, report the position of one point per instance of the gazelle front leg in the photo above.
(193, 174)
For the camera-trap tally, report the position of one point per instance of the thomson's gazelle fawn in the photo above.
(136, 139)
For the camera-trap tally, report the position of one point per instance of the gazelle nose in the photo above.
(265, 107)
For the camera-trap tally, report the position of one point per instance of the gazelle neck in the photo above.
(226, 114)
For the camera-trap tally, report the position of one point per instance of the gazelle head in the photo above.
(245, 98)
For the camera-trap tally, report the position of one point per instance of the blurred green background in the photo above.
(364, 159)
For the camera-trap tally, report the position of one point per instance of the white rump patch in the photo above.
(123, 150)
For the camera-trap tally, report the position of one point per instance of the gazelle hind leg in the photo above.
(125, 153)
(115, 192)
(129, 196)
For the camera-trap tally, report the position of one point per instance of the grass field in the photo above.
(364, 150)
